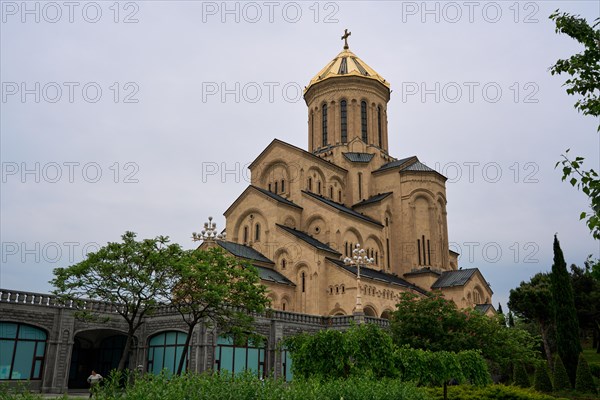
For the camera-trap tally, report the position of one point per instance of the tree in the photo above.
(131, 275)
(584, 69)
(500, 308)
(511, 320)
(561, 379)
(520, 377)
(532, 301)
(586, 290)
(584, 381)
(221, 290)
(565, 314)
(541, 379)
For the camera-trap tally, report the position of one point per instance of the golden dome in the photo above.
(346, 63)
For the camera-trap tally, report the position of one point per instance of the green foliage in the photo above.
(249, 387)
(131, 274)
(584, 71)
(561, 379)
(584, 381)
(586, 291)
(565, 314)
(436, 324)
(520, 377)
(492, 392)
(541, 378)
(363, 350)
(219, 289)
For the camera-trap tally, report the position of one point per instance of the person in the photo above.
(94, 380)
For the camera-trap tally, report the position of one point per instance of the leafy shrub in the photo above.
(492, 392)
(520, 377)
(595, 370)
(541, 379)
(561, 379)
(584, 381)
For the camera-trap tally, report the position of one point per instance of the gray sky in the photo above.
(147, 123)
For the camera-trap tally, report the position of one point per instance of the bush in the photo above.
(584, 381)
(595, 370)
(541, 379)
(561, 379)
(249, 387)
(520, 377)
(492, 392)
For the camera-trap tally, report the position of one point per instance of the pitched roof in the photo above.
(374, 199)
(378, 276)
(422, 271)
(359, 157)
(484, 308)
(240, 250)
(454, 278)
(276, 197)
(308, 239)
(269, 274)
(418, 166)
(396, 163)
(342, 208)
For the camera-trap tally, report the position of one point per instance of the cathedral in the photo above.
(307, 215)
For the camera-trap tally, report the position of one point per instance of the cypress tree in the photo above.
(500, 308)
(584, 382)
(561, 379)
(511, 320)
(520, 377)
(541, 379)
(565, 314)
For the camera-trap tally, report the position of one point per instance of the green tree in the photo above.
(511, 320)
(520, 377)
(584, 381)
(532, 302)
(565, 314)
(561, 379)
(586, 290)
(584, 71)
(500, 309)
(541, 379)
(130, 274)
(221, 290)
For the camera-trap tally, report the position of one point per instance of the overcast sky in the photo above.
(144, 115)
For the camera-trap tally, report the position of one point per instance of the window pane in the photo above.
(39, 352)
(171, 336)
(253, 360)
(8, 330)
(37, 369)
(226, 358)
(288, 366)
(158, 340)
(240, 360)
(181, 337)
(178, 353)
(225, 340)
(23, 360)
(6, 353)
(29, 332)
(170, 358)
(158, 360)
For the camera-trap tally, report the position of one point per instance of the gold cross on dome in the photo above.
(345, 38)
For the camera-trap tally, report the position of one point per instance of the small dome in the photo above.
(346, 64)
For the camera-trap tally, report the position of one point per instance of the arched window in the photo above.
(245, 234)
(379, 126)
(319, 187)
(22, 351)
(363, 120)
(283, 186)
(275, 186)
(324, 124)
(331, 192)
(270, 188)
(237, 358)
(257, 233)
(283, 263)
(303, 279)
(165, 351)
(339, 196)
(310, 184)
(344, 121)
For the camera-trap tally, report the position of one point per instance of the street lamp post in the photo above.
(359, 259)
(209, 233)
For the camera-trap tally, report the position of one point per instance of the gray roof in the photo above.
(343, 208)
(308, 239)
(418, 166)
(483, 308)
(378, 276)
(395, 163)
(454, 278)
(268, 274)
(374, 199)
(276, 197)
(239, 250)
(359, 157)
(425, 270)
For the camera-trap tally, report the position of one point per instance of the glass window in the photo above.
(239, 358)
(286, 361)
(165, 350)
(257, 233)
(324, 124)
(22, 351)
(344, 121)
(379, 126)
(363, 120)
